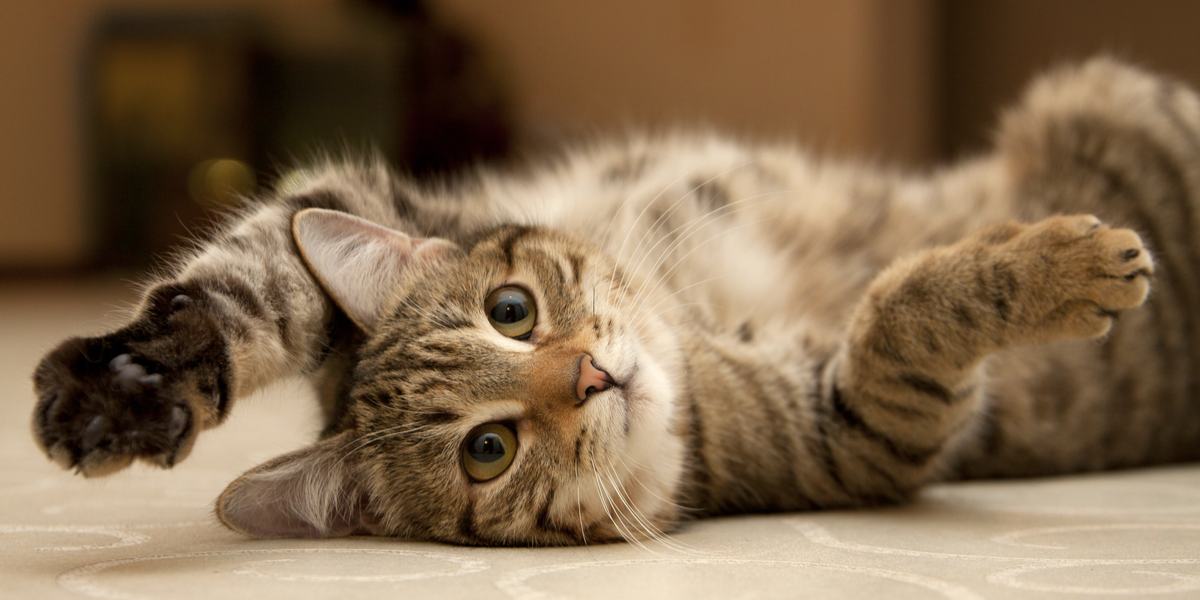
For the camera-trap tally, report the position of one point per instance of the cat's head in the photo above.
(510, 392)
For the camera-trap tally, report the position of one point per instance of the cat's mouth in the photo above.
(624, 383)
(626, 380)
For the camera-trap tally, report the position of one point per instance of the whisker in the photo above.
(652, 531)
(679, 262)
(579, 506)
(666, 535)
(633, 226)
(638, 480)
(691, 225)
(680, 291)
(423, 312)
(635, 520)
(615, 517)
(638, 218)
(671, 209)
(694, 226)
(641, 318)
(376, 436)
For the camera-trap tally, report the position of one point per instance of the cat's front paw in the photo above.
(1084, 274)
(100, 406)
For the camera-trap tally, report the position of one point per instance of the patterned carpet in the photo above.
(150, 534)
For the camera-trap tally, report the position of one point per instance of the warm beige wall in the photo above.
(852, 76)
(903, 80)
(41, 217)
(997, 45)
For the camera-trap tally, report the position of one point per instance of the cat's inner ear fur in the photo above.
(306, 493)
(360, 264)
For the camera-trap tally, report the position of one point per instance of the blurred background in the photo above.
(128, 123)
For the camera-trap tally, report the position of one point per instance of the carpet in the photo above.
(147, 533)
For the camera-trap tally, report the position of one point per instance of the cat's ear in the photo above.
(307, 493)
(359, 263)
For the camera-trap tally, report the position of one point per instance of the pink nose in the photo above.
(592, 379)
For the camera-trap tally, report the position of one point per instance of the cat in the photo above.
(671, 326)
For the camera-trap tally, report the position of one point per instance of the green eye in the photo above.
(512, 312)
(488, 451)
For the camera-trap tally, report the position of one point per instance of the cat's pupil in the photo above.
(509, 310)
(487, 448)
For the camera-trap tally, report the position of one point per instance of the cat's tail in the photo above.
(1107, 134)
(1108, 138)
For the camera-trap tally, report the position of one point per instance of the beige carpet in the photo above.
(149, 534)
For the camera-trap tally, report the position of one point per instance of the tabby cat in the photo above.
(675, 326)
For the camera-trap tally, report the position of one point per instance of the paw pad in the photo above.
(96, 415)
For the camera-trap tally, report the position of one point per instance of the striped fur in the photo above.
(791, 333)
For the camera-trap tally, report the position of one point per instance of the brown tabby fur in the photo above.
(787, 334)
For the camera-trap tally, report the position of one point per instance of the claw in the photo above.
(61, 456)
(119, 362)
(181, 301)
(48, 405)
(130, 376)
(94, 433)
(179, 421)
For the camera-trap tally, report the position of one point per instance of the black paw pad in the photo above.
(101, 406)
(1138, 273)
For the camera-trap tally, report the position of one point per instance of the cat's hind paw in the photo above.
(1088, 273)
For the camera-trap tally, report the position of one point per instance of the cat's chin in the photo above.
(653, 450)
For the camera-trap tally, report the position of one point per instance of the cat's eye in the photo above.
(511, 311)
(488, 451)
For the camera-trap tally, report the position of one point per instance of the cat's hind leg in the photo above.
(907, 382)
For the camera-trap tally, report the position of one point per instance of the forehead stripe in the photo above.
(436, 417)
(558, 270)
(510, 240)
(576, 262)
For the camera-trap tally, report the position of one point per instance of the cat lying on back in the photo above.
(679, 326)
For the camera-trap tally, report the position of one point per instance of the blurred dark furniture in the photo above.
(188, 113)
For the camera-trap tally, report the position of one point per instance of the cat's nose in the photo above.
(592, 379)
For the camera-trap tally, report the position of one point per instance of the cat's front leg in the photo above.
(241, 313)
(908, 378)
